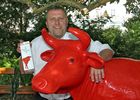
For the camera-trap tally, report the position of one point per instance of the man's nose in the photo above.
(57, 22)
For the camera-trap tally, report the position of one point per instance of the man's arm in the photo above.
(106, 54)
(97, 75)
(105, 51)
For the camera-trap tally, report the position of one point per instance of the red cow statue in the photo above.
(68, 68)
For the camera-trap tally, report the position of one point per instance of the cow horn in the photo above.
(49, 39)
(82, 35)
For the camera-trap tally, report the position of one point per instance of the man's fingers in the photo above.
(96, 75)
(102, 73)
(92, 74)
(18, 46)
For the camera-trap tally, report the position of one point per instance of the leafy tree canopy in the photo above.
(23, 19)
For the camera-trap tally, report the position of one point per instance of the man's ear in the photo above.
(94, 60)
(47, 55)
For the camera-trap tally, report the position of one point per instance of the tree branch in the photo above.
(28, 2)
(60, 2)
(98, 4)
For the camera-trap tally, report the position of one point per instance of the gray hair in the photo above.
(56, 7)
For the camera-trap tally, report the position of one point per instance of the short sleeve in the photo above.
(96, 46)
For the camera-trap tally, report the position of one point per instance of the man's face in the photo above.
(57, 23)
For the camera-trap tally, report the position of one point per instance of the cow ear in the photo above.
(94, 60)
(47, 55)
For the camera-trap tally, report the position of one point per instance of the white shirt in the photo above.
(39, 46)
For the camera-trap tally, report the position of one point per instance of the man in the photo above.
(57, 23)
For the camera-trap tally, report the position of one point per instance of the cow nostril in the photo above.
(42, 83)
(71, 60)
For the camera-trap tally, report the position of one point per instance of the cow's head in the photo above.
(67, 63)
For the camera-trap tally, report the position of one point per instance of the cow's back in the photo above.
(122, 82)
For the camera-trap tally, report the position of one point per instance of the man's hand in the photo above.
(18, 46)
(97, 75)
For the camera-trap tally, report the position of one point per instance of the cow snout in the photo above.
(39, 82)
(42, 83)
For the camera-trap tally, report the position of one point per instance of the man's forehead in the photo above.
(56, 13)
(53, 11)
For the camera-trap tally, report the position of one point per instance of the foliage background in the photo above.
(15, 18)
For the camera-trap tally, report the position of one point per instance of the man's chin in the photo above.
(59, 35)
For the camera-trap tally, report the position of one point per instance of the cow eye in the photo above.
(71, 60)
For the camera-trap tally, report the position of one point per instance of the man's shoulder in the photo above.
(37, 39)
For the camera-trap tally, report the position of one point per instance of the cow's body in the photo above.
(122, 82)
(68, 71)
